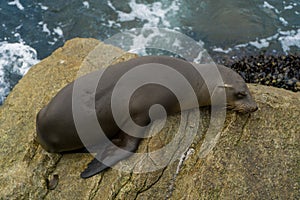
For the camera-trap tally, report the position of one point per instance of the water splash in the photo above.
(15, 61)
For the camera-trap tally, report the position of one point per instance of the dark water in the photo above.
(32, 29)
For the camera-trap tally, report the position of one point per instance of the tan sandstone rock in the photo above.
(256, 157)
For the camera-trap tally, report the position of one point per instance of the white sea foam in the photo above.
(112, 23)
(260, 43)
(283, 21)
(86, 4)
(287, 39)
(58, 31)
(288, 7)
(161, 39)
(16, 3)
(45, 29)
(42, 6)
(15, 60)
(219, 49)
(269, 6)
(153, 13)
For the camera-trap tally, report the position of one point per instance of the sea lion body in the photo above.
(56, 131)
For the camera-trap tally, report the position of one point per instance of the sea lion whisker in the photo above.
(226, 86)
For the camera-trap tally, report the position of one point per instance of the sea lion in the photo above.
(56, 130)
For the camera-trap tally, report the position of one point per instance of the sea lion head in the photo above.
(238, 95)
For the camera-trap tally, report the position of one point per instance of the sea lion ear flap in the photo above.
(225, 86)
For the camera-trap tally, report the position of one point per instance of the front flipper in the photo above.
(119, 149)
(81, 150)
(94, 167)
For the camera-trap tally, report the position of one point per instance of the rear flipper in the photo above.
(119, 149)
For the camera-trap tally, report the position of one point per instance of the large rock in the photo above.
(257, 156)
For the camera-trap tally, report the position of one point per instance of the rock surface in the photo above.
(256, 157)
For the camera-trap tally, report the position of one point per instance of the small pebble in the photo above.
(53, 182)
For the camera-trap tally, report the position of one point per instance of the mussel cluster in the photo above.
(278, 71)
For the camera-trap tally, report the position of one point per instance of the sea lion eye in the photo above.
(241, 95)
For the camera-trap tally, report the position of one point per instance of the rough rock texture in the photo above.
(256, 157)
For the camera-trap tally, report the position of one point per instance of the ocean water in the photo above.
(32, 29)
